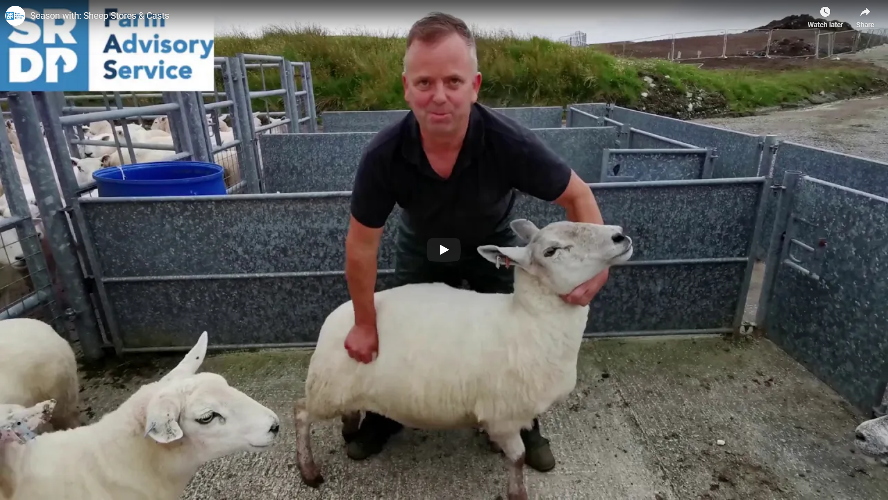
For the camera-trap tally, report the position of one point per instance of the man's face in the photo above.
(441, 84)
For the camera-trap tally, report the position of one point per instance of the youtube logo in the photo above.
(443, 249)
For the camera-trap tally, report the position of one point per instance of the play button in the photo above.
(443, 250)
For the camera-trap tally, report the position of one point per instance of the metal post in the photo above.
(786, 197)
(287, 82)
(725, 46)
(309, 87)
(24, 114)
(27, 233)
(194, 124)
(181, 141)
(768, 47)
(241, 97)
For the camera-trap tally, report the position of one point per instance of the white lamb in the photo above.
(37, 364)
(149, 447)
(451, 358)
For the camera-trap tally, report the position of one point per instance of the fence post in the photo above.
(24, 114)
(768, 47)
(194, 126)
(27, 233)
(672, 50)
(786, 197)
(725, 46)
(287, 82)
(241, 96)
(309, 86)
(816, 44)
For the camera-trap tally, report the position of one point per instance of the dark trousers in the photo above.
(412, 266)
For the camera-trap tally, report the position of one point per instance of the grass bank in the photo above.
(362, 72)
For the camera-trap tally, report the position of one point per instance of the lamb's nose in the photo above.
(618, 238)
(860, 436)
(275, 428)
(19, 258)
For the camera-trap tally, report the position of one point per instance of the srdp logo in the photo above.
(48, 52)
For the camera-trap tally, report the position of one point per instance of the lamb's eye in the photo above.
(204, 420)
(550, 252)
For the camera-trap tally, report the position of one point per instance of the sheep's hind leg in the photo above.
(513, 448)
(308, 469)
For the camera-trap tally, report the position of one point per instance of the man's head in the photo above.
(441, 78)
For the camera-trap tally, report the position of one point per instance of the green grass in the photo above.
(361, 72)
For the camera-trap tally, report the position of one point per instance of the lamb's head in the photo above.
(201, 411)
(872, 437)
(563, 255)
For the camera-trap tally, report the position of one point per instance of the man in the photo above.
(452, 166)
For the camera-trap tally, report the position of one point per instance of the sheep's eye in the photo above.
(550, 251)
(204, 420)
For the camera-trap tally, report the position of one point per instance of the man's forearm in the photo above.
(584, 209)
(360, 273)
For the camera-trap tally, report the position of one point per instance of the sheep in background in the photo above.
(36, 364)
(453, 358)
(150, 446)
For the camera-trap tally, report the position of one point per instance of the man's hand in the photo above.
(583, 294)
(362, 343)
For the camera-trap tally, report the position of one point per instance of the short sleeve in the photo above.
(538, 171)
(372, 198)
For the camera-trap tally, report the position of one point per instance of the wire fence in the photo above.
(774, 43)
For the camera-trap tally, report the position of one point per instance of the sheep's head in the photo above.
(18, 423)
(872, 437)
(206, 414)
(563, 255)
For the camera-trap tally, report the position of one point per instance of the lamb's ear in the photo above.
(191, 362)
(524, 228)
(8, 436)
(520, 256)
(162, 416)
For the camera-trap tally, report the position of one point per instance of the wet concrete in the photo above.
(643, 423)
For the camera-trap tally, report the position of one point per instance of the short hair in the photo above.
(436, 26)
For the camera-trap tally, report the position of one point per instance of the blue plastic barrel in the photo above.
(162, 178)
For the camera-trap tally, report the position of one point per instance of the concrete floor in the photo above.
(642, 424)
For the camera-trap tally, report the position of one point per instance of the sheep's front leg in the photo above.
(351, 422)
(308, 469)
(513, 448)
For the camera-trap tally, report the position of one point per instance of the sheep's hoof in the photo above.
(314, 481)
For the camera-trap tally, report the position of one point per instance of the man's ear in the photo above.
(519, 256)
(162, 416)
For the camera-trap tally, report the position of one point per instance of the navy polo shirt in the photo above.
(498, 157)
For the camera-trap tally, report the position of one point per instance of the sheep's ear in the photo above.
(191, 362)
(524, 228)
(520, 256)
(8, 436)
(162, 417)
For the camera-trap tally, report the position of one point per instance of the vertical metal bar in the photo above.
(58, 147)
(174, 121)
(288, 84)
(124, 123)
(309, 86)
(605, 159)
(241, 95)
(35, 260)
(234, 94)
(708, 164)
(725, 46)
(54, 221)
(194, 124)
(786, 199)
(751, 256)
(570, 116)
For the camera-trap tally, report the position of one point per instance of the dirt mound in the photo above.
(790, 47)
(799, 22)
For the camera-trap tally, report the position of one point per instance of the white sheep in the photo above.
(37, 364)
(452, 358)
(872, 437)
(150, 446)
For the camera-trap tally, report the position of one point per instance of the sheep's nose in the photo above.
(618, 238)
(88, 155)
(859, 435)
(19, 258)
(275, 428)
